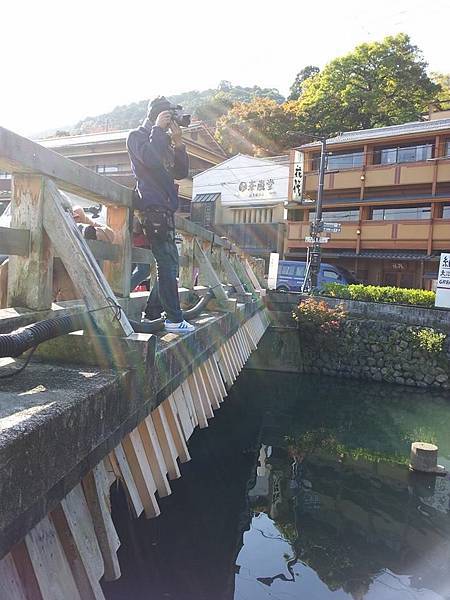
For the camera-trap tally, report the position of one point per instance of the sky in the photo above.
(62, 61)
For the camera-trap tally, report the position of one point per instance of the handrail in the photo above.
(40, 230)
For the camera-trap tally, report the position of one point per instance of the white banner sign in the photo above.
(273, 270)
(443, 282)
(297, 183)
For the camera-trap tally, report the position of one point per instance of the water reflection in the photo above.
(337, 513)
(299, 488)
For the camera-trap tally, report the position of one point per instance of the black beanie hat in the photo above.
(157, 106)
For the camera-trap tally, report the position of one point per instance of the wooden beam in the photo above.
(118, 273)
(20, 155)
(14, 241)
(30, 278)
(209, 275)
(81, 264)
(231, 273)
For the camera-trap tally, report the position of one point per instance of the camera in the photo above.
(183, 119)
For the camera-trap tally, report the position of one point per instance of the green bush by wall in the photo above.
(374, 293)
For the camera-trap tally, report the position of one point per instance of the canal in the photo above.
(300, 488)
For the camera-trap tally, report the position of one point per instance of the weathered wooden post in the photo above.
(118, 273)
(30, 278)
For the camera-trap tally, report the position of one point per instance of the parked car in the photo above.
(291, 274)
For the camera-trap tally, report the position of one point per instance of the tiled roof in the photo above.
(383, 132)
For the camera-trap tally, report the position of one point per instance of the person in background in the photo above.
(158, 157)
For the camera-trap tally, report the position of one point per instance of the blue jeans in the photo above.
(139, 272)
(164, 294)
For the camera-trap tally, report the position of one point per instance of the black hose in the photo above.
(158, 324)
(195, 310)
(15, 343)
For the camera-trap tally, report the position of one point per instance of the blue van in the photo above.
(291, 274)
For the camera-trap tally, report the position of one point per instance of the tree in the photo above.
(259, 127)
(443, 96)
(377, 84)
(297, 87)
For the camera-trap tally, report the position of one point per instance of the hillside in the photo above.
(207, 105)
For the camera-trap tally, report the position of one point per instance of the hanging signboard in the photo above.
(273, 270)
(331, 227)
(297, 183)
(443, 282)
(321, 240)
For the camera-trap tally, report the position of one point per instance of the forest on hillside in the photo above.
(377, 84)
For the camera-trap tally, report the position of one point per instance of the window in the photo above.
(104, 169)
(403, 154)
(351, 160)
(4, 175)
(337, 215)
(446, 211)
(401, 213)
(332, 275)
(447, 149)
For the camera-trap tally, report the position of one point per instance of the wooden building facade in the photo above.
(390, 190)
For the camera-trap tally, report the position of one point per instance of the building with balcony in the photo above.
(390, 190)
(106, 154)
(244, 199)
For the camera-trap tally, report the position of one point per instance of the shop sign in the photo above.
(443, 282)
(257, 188)
(273, 270)
(297, 183)
(398, 267)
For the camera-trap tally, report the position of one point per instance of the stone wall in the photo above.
(364, 348)
(411, 315)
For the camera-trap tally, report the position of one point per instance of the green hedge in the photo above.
(374, 293)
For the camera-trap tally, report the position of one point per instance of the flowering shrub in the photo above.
(375, 293)
(429, 339)
(315, 317)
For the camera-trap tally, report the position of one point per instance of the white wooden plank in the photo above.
(217, 387)
(155, 456)
(142, 475)
(204, 396)
(198, 404)
(49, 562)
(166, 442)
(128, 481)
(183, 413)
(219, 378)
(79, 522)
(210, 389)
(170, 410)
(96, 491)
(11, 587)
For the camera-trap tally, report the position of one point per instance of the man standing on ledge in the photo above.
(158, 157)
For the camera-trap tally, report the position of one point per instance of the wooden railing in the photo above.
(41, 230)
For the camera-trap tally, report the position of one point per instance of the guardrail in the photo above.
(41, 230)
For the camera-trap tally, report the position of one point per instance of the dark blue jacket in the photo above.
(155, 165)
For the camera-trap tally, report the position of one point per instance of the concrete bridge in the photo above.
(103, 402)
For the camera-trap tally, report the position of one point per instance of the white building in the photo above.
(245, 199)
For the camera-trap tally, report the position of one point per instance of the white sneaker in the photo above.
(183, 327)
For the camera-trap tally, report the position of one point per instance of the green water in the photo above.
(300, 488)
(336, 511)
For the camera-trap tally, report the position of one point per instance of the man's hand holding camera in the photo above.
(165, 121)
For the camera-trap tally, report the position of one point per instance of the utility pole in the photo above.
(316, 227)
